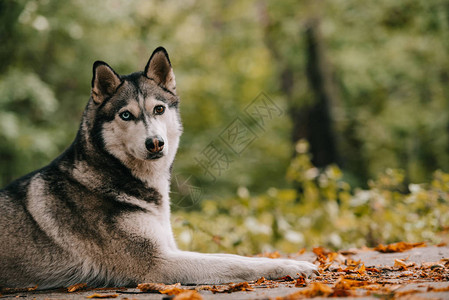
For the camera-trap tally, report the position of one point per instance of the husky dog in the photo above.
(100, 212)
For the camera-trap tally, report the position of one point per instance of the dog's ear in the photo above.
(159, 69)
(104, 82)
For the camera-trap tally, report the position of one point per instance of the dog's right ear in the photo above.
(104, 82)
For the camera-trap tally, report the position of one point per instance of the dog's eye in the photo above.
(159, 109)
(126, 115)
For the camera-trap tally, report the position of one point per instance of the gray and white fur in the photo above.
(100, 212)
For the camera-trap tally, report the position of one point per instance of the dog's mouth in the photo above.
(156, 155)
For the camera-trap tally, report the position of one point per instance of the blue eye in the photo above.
(126, 115)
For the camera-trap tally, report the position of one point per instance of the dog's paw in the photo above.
(292, 268)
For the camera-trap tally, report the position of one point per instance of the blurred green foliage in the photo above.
(327, 212)
(389, 62)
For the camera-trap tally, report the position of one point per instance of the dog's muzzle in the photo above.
(155, 145)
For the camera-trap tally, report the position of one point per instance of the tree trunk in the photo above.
(314, 122)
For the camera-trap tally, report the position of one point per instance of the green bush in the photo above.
(322, 210)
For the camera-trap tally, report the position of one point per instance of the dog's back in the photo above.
(26, 252)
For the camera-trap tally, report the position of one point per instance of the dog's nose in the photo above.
(155, 144)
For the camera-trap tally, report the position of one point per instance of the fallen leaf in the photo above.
(404, 293)
(274, 254)
(316, 289)
(96, 295)
(233, 287)
(350, 262)
(320, 251)
(156, 287)
(300, 282)
(242, 286)
(260, 280)
(188, 295)
(374, 270)
(173, 291)
(431, 265)
(76, 287)
(286, 278)
(348, 284)
(361, 270)
(434, 289)
(341, 293)
(402, 264)
(302, 251)
(398, 247)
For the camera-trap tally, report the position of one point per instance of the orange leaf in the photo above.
(400, 263)
(286, 278)
(237, 287)
(361, 270)
(320, 251)
(348, 284)
(76, 287)
(398, 247)
(242, 286)
(300, 282)
(188, 295)
(316, 289)
(374, 270)
(260, 280)
(173, 291)
(434, 289)
(156, 287)
(102, 296)
(302, 251)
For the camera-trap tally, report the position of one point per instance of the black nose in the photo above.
(154, 144)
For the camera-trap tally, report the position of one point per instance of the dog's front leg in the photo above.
(197, 268)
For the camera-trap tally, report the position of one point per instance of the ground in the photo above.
(407, 271)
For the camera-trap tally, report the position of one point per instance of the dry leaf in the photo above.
(434, 289)
(76, 287)
(260, 280)
(402, 264)
(102, 296)
(317, 289)
(431, 265)
(398, 247)
(286, 278)
(300, 282)
(302, 251)
(374, 270)
(173, 291)
(242, 286)
(361, 270)
(156, 287)
(236, 287)
(274, 254)
(348, 284)
(188, 295)
(352, 263)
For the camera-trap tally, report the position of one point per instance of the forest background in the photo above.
(305, 122)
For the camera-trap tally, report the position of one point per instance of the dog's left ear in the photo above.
(159, 69)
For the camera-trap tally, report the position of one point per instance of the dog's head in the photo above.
(135, 117)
